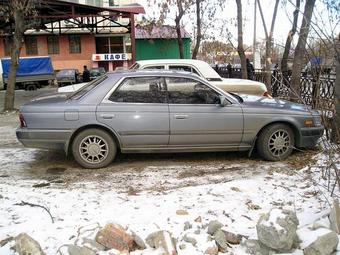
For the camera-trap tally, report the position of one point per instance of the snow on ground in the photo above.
(144, 193)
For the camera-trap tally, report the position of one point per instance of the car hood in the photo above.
(272, 103)
(71, 88)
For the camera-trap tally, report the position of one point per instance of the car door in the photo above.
(138, 111)
(196, 117)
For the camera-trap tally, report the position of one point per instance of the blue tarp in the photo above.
(29, 66)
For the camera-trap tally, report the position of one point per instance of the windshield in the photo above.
(89, 86)
(134, 66)
(66, 72)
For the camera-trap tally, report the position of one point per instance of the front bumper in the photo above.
(309, 136)
(44, 139)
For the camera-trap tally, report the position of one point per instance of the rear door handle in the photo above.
(181, 116)
(107, 116)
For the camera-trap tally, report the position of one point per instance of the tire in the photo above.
(92, 157)
(31, 87)
(275, 142)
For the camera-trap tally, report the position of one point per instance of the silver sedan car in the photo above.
(163, 111)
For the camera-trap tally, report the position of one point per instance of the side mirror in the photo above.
(223, 101)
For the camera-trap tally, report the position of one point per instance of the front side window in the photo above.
(31, 45)
(74, 43)
(140, 90)
(189, 91)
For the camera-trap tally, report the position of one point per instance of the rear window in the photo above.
(83, 90)
(134, 66)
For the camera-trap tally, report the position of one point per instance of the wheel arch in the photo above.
(290, 124)
(114, 135)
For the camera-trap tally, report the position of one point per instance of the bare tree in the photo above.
(199, 29)
(240, 48)
(269, 42)
(19, 12)
(284, 61)
(301, 49)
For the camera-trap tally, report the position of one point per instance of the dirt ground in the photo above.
(130, 172)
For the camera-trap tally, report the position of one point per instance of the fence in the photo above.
(316, 92)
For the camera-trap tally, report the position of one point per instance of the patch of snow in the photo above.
(308, 236)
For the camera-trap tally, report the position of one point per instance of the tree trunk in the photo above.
(300, 50)
(15, 54)
(179, 38)
(336, 125)
(269, 41)
(240, 48)
(284, 61)
(199, 32)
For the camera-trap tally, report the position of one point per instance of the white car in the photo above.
(203, 69)
(200, 68)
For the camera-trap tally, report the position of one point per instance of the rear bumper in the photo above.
(44, 139)
(309, 136)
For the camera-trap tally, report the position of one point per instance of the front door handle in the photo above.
(181, 116)
(107, 116)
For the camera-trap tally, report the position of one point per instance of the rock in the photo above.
(162, 239)
(24, 245)
(255, 247)
(334, 217)
(93, 244)
(220, 240)
(181, 212)
(324, 245)
(189, 239)
(321, 223)
(138, 242)
(76, 250)
(197, 232)
(213, 226)
(182, 246)
(6, 240)
(114, 236)
(198, 219)
(232, 238)
(212, 249)
(277, 229)
(187, 225)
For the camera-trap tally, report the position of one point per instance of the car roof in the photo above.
(152, 72)
(203, 67)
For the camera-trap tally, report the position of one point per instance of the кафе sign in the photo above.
(111, 57)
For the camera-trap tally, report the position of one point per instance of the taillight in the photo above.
(22, 121)
(266, 94)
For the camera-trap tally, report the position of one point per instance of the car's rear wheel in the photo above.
(94, 148)
(275, 142)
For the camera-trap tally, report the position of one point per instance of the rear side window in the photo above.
(140, 90)
(183, 68)
(154, 67)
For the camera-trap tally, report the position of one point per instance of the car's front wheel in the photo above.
(94, 148)
(275, 142)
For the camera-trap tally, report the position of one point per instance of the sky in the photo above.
(282, 25)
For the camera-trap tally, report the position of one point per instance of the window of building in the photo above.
(7, 47)
(188, 91)
(109, 44)
(53, 44)
(113, 3)
(141, 90)
(94, 2)
(74, 43)
(31, 45)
